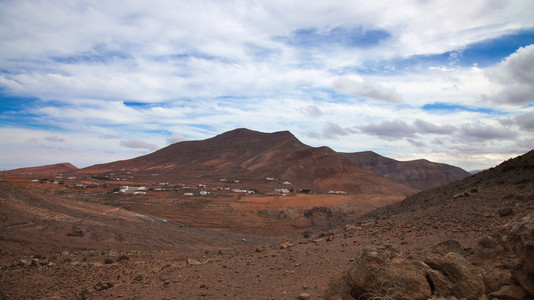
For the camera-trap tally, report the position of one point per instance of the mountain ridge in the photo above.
(421, 174)
(244, 153)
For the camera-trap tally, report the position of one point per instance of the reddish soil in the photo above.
(66, 243)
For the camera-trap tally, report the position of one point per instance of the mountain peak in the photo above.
(244, 133)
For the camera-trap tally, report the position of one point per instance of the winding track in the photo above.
(182, 227)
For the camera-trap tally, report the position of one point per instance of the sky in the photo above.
(90, 82)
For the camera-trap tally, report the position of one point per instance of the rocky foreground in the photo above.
(358, 262)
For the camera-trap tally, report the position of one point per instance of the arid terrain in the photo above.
(67, 233)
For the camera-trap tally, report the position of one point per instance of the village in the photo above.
(130, 186)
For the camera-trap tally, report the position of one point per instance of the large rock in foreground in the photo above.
(385, 272)
(453, 275)
(521, 239)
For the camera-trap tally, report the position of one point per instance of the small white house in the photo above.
(132, 189)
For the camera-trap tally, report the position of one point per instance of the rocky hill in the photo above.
(244, 153)
(420, 174)
(493, 209)
(48, 169)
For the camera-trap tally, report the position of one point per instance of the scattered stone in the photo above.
(85, 294)
(193, 262)
(103, 285)
(507, 211)
(385, 272)
(447, 246)
(510, 292)
(23, 263)
(318, 241)
(488, 242)
(285, 245)
(303, 296)
(461, 195)
(494, 279)
(350, 228)
(139, 277)
(123, 258)
(108, 260)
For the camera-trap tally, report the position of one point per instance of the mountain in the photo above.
(420, 174)
(243, 153)
(48, 169)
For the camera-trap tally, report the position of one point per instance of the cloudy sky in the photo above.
(97, 81)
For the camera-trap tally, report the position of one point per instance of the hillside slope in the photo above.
(244, 153)
(48, 169)
(420, 174)
(507, 186)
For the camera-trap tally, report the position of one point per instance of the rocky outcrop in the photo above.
(453, 275)
(385, 272)
(521, 241)
(447, 246)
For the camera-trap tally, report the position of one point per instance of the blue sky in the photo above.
(97, 81)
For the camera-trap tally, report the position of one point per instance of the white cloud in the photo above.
(394, 129)
(203, 67)
(367, 89)
(55, 139)
(427, 127)
(109, 136)
(516, 76)
(478, 131)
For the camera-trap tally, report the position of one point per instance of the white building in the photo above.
(132, 189)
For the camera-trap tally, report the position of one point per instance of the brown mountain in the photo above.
(243, 153)
(420, 174)
(48, 169)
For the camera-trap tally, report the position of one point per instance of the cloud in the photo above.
(515, 75)
(395, 129)
(478, 131)
(55, 139)
(416, 143)
(525, 121)
(333, 130)
(367, 89)
(426, 127)
(312, 110)
(138, 144)
(175, 138)
(99, 72)
(108, 136)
